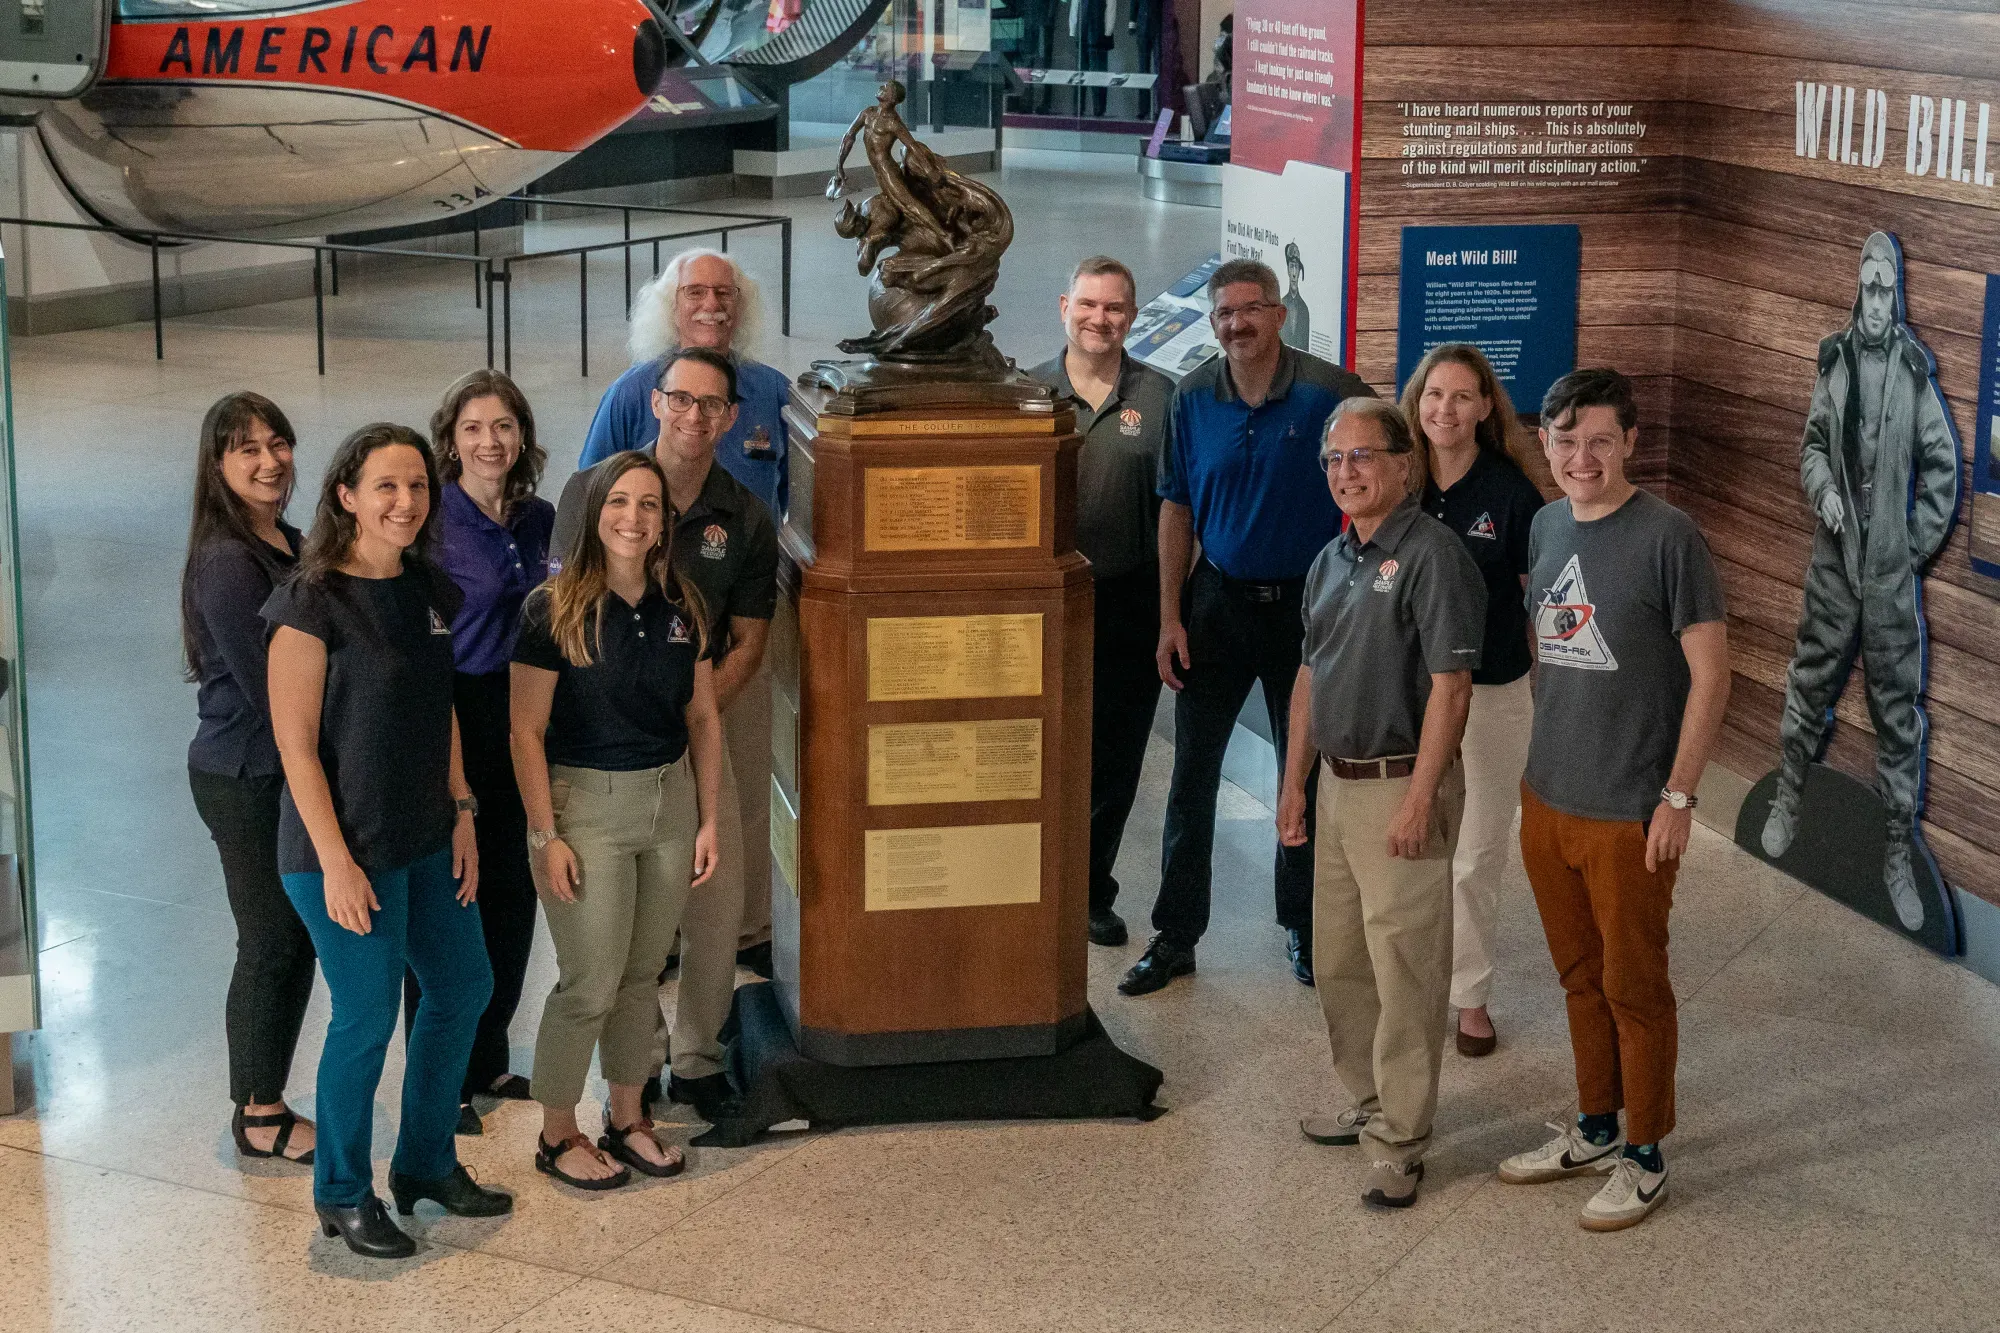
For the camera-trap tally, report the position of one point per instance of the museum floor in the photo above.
(1837, 1164)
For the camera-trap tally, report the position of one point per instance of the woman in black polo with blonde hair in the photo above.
(618, 753)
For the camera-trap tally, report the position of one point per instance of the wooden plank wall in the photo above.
(1711, 281)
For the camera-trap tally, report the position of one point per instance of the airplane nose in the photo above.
(649, 56)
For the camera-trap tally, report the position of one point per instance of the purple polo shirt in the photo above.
(495, 566)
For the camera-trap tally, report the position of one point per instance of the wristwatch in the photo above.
(1679, 800)
(467, 805)
(539, 838)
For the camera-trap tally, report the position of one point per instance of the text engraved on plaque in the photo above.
(974, 865)
(952, 508)
(954, 657)
(927, 763)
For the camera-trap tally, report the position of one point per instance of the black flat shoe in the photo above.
(757, 958)
(1299, 949)
(713, 1098)
(613, 1144)
(468, 1120)
(286, 1123)
(1107, 928)
(461, 1195)
(1161, 963)
(367, 1230)
(650, 1095)
(511, 1088)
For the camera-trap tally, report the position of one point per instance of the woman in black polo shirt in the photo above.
(375, 829)
(239, 548)
(1463, 421)
(618, 753)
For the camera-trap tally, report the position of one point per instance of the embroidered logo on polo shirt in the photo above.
(1566, 629)
(437, 625)
(1483, 527)
(677, 630)
(1385, 575)
(714, 542)
(1128, 421)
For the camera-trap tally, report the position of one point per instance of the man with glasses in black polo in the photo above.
(1240, 475)
(724, 542)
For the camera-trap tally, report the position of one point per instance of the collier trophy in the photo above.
(932, 650)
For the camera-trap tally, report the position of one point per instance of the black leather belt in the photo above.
(1363, 770)
(1260, 593)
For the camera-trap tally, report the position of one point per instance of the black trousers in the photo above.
(506, 885)
(273, 977)
(1124, 693)
(1233, 641)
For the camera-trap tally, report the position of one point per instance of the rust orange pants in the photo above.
(1605, 916)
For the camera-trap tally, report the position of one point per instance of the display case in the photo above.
(20, 999)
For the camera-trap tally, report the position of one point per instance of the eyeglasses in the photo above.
(1358, 459)
(701, 293)
(1598, 446)
(711, 406)
(1224, 314)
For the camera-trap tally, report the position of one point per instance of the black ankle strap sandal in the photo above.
(285, 1121)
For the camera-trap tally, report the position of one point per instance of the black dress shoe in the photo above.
(468, 1120)
(461, 1195)
(713, 1098)
(1161, 963)
(367, 1229)
(649, 1095)
(1299, 948)
(1107, 928)
(757, 958)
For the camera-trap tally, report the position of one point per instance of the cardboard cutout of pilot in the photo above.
(1879, 463)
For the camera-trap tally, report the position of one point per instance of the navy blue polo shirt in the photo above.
(1251, 475)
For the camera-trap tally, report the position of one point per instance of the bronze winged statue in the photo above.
(930, 242)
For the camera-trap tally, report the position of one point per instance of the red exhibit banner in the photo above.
(1297, 76)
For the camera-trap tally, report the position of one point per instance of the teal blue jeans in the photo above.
(420, 926)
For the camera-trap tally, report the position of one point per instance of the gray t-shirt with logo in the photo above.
(1608, 600)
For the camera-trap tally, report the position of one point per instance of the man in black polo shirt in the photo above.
(1395, 611)
(1240, 474)
(726, 544)
(1121, 408)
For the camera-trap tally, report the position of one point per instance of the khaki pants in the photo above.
(633, 835)
(732, 910)
(1495, 752)
(1605, 916)
(1382, 953)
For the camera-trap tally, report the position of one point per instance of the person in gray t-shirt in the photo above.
(1634, 677)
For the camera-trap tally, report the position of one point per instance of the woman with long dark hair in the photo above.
(618, 752)
(375, 832)
(1474, 482)
(239, 548)
(493, 540)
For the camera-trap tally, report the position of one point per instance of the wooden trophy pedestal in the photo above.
(930, 802)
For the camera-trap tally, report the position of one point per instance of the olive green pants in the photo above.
(633, 835)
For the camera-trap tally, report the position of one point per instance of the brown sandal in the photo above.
(547, 1154)
(614, 1143)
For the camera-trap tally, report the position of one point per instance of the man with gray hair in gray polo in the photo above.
(1395, 616)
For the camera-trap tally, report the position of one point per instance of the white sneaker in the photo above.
(1626, 1198)
(1568, 1154)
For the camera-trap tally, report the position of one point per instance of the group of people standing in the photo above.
(1438, 650)
(449, 700)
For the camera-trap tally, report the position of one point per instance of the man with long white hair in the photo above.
(703, 298)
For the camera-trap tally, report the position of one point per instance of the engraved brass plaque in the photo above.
(952, 508)
(929, 763)
(954, 657)
(974, 865)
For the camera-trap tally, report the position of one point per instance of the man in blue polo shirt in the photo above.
(701, 299)
(1240, 475)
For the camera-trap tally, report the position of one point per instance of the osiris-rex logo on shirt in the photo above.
(1566, 628)
(437, 624)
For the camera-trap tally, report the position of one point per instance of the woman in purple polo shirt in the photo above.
(493, 539)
